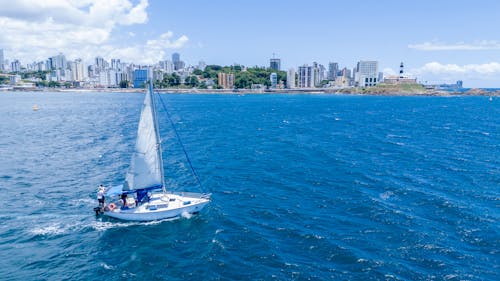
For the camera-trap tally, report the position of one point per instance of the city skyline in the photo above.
(439, 42)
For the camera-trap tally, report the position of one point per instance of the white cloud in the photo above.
(389, 71)
(164, 41)
(459, 46)
(474, 75)
(37, 29)
(492, 68)
(149, 53)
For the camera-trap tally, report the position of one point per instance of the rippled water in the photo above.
(305, 187)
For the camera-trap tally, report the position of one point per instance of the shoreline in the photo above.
(343, 92)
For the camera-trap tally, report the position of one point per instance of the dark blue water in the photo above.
(305, 187)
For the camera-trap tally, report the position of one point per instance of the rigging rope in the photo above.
(180, 141)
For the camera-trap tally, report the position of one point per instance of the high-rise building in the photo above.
(306, 76)
(333, 69)
(176, 60)
(77, 70)
(1, 59)
(346, 72)
(274, 80)
(176, 57)
(167, 66)
(275, 64)
(41, 66)
(226, 80)
(15, 66)
(57, 62)
(140, 77)
(321, 73)
(366, 74)
(116, 64)
(101, 64)
(290, 78)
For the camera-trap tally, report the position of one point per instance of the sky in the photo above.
(438, 41)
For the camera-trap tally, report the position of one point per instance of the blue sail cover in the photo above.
(145, 169)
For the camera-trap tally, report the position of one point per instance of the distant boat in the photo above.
(143, 195)
(35, 107)
(491, 98)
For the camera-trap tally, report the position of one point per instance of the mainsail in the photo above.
(146, 170)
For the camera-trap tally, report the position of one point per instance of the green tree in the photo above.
(42, 83)
(54, 84)
(174, 79)
(192, 81)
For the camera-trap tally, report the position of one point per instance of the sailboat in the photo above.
(143, 195)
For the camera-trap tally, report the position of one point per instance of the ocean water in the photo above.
(304, 187)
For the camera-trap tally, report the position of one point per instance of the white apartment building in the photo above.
(366, 74)
(306, 76)
(78, 70)
(290, 79)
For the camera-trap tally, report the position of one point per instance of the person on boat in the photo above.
(124, 199)
(100, 195)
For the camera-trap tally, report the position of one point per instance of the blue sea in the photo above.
(304, 187)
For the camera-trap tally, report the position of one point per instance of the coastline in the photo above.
(312, 91)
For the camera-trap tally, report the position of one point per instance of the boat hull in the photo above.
(159, 209)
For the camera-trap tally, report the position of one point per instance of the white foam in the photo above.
(450, 276)
(218, 243)
(82, 201)
(54, 229)
(386, 195)
(105, 225)
(186, 215)
(109, 267)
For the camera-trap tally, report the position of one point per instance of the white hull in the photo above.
(161, 206)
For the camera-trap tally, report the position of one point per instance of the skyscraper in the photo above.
(100, 64)
(306, 76)
(116, 64)
(275, 64)
(167, 66)
(176, 57)
(78, 70)
(290, 78)
(333, 69)
(321, 73)
(15, 66)
(1, 59)
(176, 60)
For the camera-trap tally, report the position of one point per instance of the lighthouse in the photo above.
(401, 70)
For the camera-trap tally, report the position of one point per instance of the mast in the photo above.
(157, 136)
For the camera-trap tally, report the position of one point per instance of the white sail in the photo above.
(146, 168)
